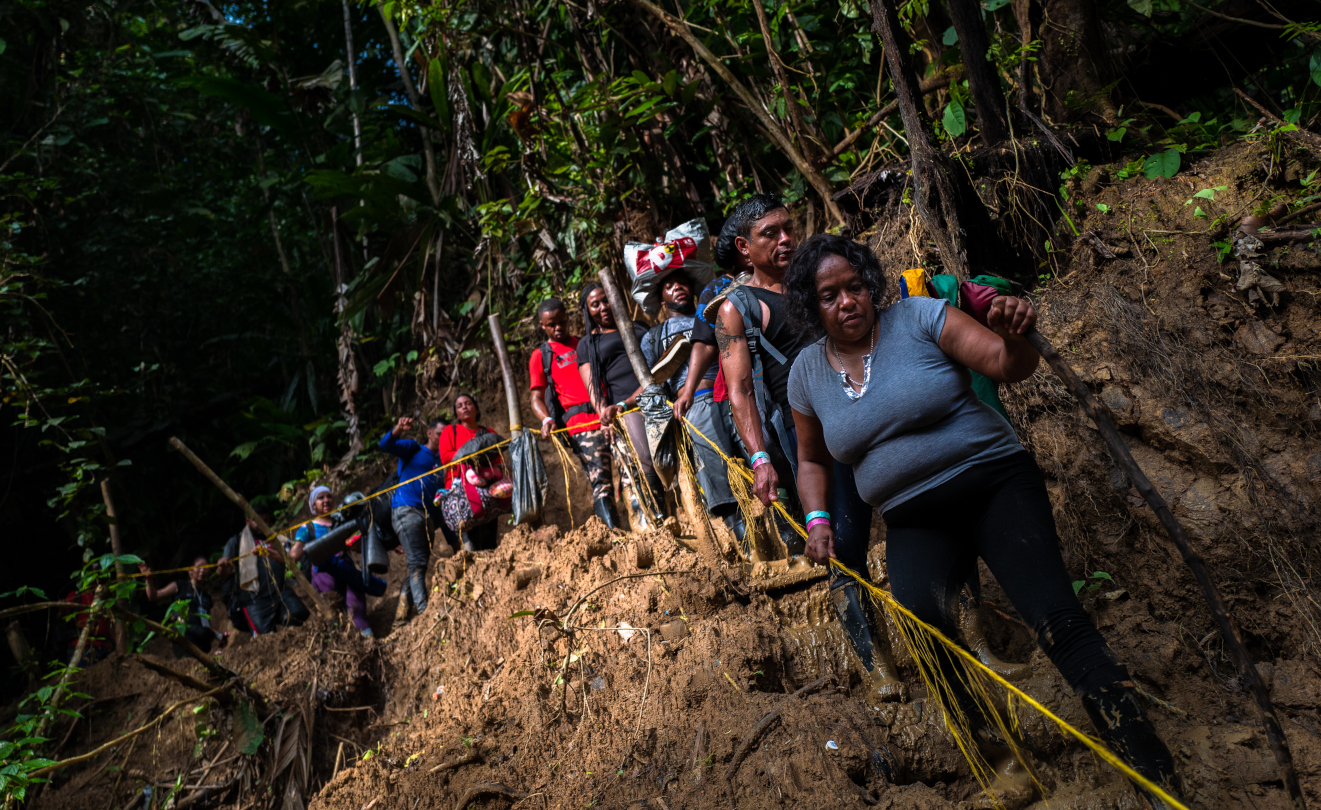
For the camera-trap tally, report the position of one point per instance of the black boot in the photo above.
(1122, 723)
(417, 583)
(605, 510)
(793, 541)
(877, 665)
(657, 495)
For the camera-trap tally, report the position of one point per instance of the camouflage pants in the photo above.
(594, 453)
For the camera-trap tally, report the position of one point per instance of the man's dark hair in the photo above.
(548, 306)
(740, 224)
(800, 301)
(437, 421)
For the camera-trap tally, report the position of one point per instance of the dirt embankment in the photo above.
(649, 700)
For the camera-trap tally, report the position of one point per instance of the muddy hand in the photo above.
(765, 483)
(1010, 316)
(820, 544)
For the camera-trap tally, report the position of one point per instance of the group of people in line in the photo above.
(842, 406)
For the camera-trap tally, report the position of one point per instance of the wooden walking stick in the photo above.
(1228, 630)
(507, 370)
(305, 589)
(706, 541)
(121, 636)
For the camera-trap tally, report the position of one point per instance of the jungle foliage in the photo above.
(263, 226)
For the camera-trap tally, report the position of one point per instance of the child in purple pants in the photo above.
(338, 573)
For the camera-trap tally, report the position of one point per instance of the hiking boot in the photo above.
(1012, 786)
(739, 528)
(970, 628)
(417, 583)
(657, 495)
(405, 601)
(884, 684)
(1121, 723)
(605, 510)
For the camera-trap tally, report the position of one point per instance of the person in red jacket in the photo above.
(453, 437)
(560, 400)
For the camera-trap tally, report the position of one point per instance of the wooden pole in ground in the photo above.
(305, 589)
(1228, 630)
(75, 663)
(619, 307)
(506, 369)
(121, 637)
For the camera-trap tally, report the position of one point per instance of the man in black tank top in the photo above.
(766, 239)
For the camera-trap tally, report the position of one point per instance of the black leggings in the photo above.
(998, 511)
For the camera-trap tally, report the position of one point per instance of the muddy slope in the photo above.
(1216, 391)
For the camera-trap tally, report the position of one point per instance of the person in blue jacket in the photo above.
(410, 505)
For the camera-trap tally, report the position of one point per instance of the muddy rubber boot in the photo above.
(417, 583)
(877, 665)
(739, 528)
(1121, 722)
(793, 541)
(970, 629)
(405, 601)
(605, 510)
(1012, 787)
(657, 495)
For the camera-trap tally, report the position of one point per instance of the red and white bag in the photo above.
(687, 248)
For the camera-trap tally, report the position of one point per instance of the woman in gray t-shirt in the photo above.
(888, 391)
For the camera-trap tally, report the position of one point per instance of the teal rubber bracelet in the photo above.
(758, 457)
(817, 514)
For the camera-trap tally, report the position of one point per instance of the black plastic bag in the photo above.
(527, 472)
(658, 416)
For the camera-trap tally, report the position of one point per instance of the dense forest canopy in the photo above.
(263, 226)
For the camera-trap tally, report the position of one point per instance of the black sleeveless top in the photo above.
(780, 335)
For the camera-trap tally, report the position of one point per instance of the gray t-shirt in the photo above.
(917, 425)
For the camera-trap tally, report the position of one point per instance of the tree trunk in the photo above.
(428, 148)
(1076, 69)
(773, 131)
(936, 196)
(982, 79)
(348, 370)
(121, 637)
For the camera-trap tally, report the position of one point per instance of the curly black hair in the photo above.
(800, 301)
(740, 224)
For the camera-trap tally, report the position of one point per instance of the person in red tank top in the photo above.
(562, 401)
(453, 437)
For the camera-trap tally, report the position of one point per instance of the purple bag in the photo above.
(977, 295)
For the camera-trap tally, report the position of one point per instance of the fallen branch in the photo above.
(95, 752)
(1297, 133)
(1119, 451)
(930, 85)
(750, 739)
(488, 789)
(212, 665)
(179, 677)
(469, 756)
(305, 589)
(1286, 237)
(1297, 214)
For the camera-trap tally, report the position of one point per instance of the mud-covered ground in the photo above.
(669, 669)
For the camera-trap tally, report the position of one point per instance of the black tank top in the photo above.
(780, 335)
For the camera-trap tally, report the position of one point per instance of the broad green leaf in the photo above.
(1142, 7)
(670, 84)
(994, 5)
(955, 121)
(248, 733)
(1313, 65)
(481, 81)
(436, 81)
(951, 36)
(1164, 164)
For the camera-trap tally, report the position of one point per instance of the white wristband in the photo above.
(547, 419)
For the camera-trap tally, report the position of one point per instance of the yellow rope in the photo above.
(918, 635)
(738, 486)
(564, 465)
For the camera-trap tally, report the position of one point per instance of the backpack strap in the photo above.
(750, 309)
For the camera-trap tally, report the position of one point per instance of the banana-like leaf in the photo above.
(437, 82)
(266, 108)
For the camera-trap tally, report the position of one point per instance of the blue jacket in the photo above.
(414, 460)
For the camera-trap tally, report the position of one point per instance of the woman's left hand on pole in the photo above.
(1011, 317)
